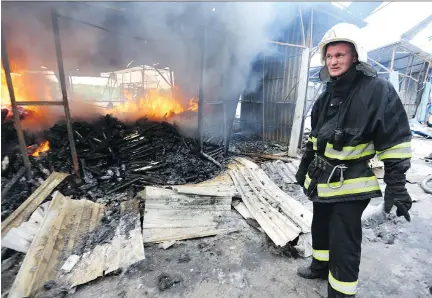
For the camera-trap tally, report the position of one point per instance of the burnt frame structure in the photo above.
(64, 102)
(228, 106)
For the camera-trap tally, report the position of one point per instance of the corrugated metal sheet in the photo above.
(408, 60)
(403, 56)
(281, 217)
(269, 111)
(186, 212)
(278, 89)
(66, 233)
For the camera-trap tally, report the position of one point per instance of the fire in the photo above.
(27, 87)
(193, 105)
(43, 147)
(155, 105)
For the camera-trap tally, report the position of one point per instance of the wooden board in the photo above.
(26, 209)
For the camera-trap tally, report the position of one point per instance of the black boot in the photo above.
(309, 273)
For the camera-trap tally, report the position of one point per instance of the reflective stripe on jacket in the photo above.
(375, 124)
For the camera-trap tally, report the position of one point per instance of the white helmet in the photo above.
(344, 32)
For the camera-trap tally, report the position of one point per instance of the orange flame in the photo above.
(155, 105)
(43, 147)
(193, 105)
(27, 87)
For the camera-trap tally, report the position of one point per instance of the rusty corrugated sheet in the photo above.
(70, 230)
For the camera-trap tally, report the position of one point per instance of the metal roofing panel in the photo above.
(279, 215)
(403, 56)
(71, 231)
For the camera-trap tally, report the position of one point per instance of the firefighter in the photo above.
(357, 117)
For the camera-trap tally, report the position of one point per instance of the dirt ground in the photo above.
(396, 262)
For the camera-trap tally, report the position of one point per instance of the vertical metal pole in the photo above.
(18, 128)
(172, 83)
(300, 103)
(311, 29)
(201, 89)
(263, 99)
(302, 26)
(393, 57)
(57, 43)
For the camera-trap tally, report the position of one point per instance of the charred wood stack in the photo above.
(114, 157)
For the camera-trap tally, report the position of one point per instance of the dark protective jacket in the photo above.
(374, 121)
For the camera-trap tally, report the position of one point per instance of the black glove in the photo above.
(301, 176)
(403, 203)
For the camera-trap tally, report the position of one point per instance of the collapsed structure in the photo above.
(177, 117)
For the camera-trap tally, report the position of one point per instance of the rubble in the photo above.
(166, 281)
(114, 157)
(280, 216)
(68, 238)
(170, 215)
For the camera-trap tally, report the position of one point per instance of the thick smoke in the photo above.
(170, 34)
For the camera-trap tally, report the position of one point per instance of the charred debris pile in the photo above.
(116, 159)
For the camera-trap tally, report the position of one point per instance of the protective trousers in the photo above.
(336, 243)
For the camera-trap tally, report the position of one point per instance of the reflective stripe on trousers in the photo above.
(347, 288)
(350, 186)
(402, 150)
(321, 255)
(350, 152)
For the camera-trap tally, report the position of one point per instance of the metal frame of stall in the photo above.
(54, 16)
(64, 102)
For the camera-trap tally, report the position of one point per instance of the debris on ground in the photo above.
(170, 215)
(73, 246)
(167, 244)
(267, 156)
(279, 215)
(113, 156)
(103, 236)
(166, 281)
(21, 237)
(24, 211)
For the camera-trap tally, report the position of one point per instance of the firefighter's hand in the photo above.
(402, 205)
(300, 177)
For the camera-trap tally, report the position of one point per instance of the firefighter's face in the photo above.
(339, 58)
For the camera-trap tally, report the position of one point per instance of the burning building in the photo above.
(175, 73)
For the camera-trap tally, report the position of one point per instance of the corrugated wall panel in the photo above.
(281, 75)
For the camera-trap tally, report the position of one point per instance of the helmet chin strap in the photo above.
(365, 68)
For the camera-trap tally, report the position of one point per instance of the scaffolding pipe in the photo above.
(201, 89)
(57, 43)
(17, 122)
(263, 99)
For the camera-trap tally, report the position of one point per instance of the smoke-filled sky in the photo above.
(168, 33)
